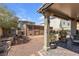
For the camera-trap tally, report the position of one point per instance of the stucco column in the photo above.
(73, 32)
(73, 27)
(46, 32)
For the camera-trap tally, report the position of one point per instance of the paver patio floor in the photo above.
(61, 52)
(36, 44)
(27, 49)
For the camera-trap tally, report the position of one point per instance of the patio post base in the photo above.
(43, 52)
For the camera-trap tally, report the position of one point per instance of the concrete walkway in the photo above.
(61, 52)
(64, 50)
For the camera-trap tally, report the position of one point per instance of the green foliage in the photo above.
(7, 19)
(63, 33)
(52, 36)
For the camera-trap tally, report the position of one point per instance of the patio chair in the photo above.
(75, 39)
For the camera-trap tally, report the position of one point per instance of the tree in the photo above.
(7, 19)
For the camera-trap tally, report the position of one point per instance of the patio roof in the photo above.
(62, 10)
(67, 11)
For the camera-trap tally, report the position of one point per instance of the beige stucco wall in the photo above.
(55, 23)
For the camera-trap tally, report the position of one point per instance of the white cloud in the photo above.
(26, 19)
(40, 20)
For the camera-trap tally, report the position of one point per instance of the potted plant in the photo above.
(63, 34)
(52, 38)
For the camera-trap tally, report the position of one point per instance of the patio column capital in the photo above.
(46, 14)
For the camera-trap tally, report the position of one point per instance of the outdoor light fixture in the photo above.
(52, 17)
(77, 16)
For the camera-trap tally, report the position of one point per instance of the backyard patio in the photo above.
(34, 48)
(51, 43)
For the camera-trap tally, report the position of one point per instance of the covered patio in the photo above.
(67, 11)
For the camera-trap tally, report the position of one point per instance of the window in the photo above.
(68, 24)
(63, 23)
(30, 27)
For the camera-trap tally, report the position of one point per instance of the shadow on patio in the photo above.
(63, 50)
(74, 47)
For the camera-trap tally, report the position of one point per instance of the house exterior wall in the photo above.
(34, 30)
(55, 23)
(66, 24)
(21, 23)
(58, 24)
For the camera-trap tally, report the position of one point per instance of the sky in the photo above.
(26, 11)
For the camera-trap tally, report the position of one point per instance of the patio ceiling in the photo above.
(62, 10)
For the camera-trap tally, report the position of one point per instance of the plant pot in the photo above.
(53, 45)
